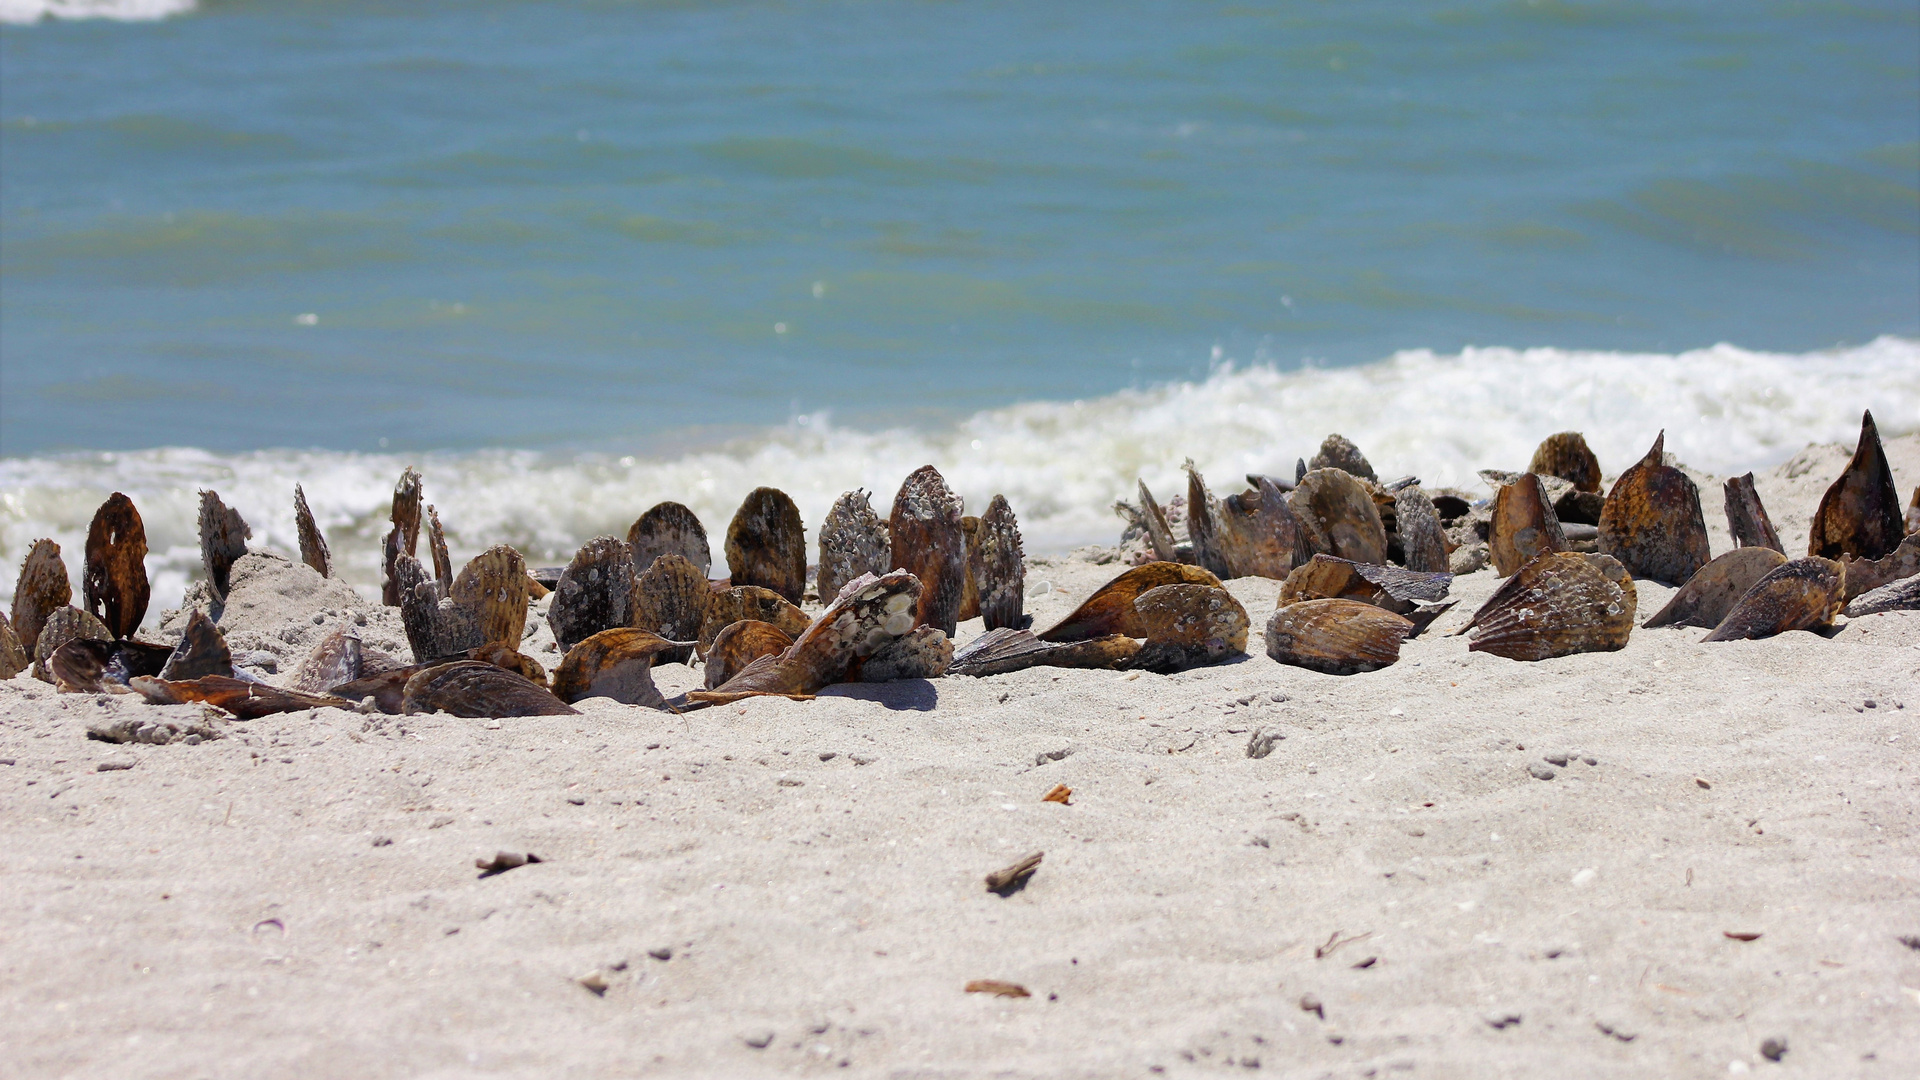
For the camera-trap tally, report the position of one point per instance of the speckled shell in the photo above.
(1423, 540)
(1110, 609)
(740, 644)
(202, 650)
(437, 627)
(41, 589)
(1324, 577)
(64, 624)
(115, 585)
(1803, 594)
(767, 544)
(673, 599)
(920, 653)
(1559, 604)
(13, 655)
(473, 688)
(1652, 521)
(1523, 527)
(615, 664)
(313, 542)
(1339, 514)
(669, 529)
(1338, 452)
(1567, 456)
(1707, 597)
(999, 567)
(223, 539)
(853, 541)
(596, 592)
(494, 586)
(869, 612)
(729, 606)
(1860, 514)
(1336, 637)
(929, 543)
(1188, 626)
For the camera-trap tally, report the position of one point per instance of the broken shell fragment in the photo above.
(404, 537)
(223, 539)
(1902, 595)
(767, 544)
(853, 541)
(1865, 575)
(1400, 591)
(1860, 514)
(920, 653)
(615, 664)
(313, 542)
(1747, 519)
(202, 650)
(1159, 530)
(999, 568)
(868, 613)
(740, 644)
(436, 625)
(1008, 649)
(1189, 626)
(729, 606)
(1203, 525)
(244, 698)
(1652, 522)
(41, 589)
(929, 543)
(1423, 540)
(13, 656)
(1524, 525)
(1804, 594)
(63, 625)
(669, 528)
(1338, 452)
(437, 547)
(1336, 636)
(473, 688)
(494, 587)
(596, 592)
(1110, 609)
(115, 586)
(1707, 596)
(1559, 604)
(1567, 456)
(1339, 514)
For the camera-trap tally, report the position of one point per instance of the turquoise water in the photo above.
(634, 228)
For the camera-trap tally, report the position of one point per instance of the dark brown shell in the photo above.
(1400, 591)
(669, 528)
(1159, 532)
(501, 656)
(313, 542)
(596, 592)
(767, 544)
(437, 547)
(615, 664)
(244, 698)
(740, 644)
(1865, 575)
(115, 586)
(1423, 540)
(387, 689)
(1110, 609)
(437, 627)
(1559, 604)
(853, 541)
(472, 688)
(1860, 514)
(1567, 456)
(88, 665)
(673, 599)
(1338, 452)
(223, 539)
(1707, 597)
(1203, 525)
(928, 543)
(494, 587)
(1803, 594)
(970, 593)
(1339, 514)
(1188, 626)
(1524, 525)
(1652, 522)
(920, 653)
(868, 613)
(999, 567)
(1007, 649)
(1747, 519)
(1902, 595)
(13, 655)
(1259, 535)
(1336, 637)
(202, 651)
(63, 625)
(729, 606)
(404, 537)
(335, 661)
(41, 589)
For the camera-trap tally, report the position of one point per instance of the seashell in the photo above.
(41, 589)
(436, 626)
(1159, 531)
(615, 664)
(729, 606)
(1400, 591)
(672, 599)
(1423, 542)
(437, 547)
(1860, 514)
(1189, 626)
(1260, 535)
(473, 688)
(1652, 522)
(999, 567)
(669, 528)
(223, 539)
(1008, 649)
(244, 698)
(313, 543)
(13, 655)
(1865, 575)
(970, 591)
(63, 625)
(494, 586)
(335, 661)
(928, 543)
(1524, 525)
(740, 644)
(853, 541)
(869, 612)
(767, 544)
(115, 586)
(1560, 603)
(509, 659)
(404, 537)
(1203, 525)
(1567, 456)
(1913, 513)
(1747, 519)
(1803, 594)
(1337, 452)
(202, 650)
(921, 653)
(596, 592)
(1902, 595)
(1110, 609)
(1340, 516)
(1707, 596)
(387, 690)
(1335, 636)
(80, 667)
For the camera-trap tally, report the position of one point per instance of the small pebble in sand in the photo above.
(1539, 771)
(382, 841)
(1773, 1049)
(594, 982)
(1501, 1020)
(1311, 1003)
(1556, 759)
(1702, 781)
(828, 755)
(1591, 760)
(115, 765)
(758, 1040)
(664, 952)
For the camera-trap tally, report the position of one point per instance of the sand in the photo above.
(780, 887)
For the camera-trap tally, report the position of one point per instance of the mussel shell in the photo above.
(853, 541)
(494, 587)
(613, 664)
(1865, 575)
(1558, 604)
(1652, 522)
(63, 625)
(1400, 591)
(502, 656)
(868, 614)
(1110, 609)
(335, 660)
(1567, 456)
(41, 589)
(1524, 525)
(1860, 514)
(767, 544)
(1335, 636)
(1009, 649)
(1902, 595)
(596, 592)
(1747, 519)
(404, 537)
(436, 625)
(1707, 597)
(472, 688)
(929, 543)
(1339, 514)
(1803, 594)
(244, 698)
(669, 528)
(115, 586)
(1189, 625)
(740, 644)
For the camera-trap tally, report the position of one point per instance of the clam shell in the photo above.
(1860, 514)
(244, 698)
(494, 587)
(387, 690)
(920, 653)
(473, 688)
(1652, 522)
(1423, 540)
(1524, 525)
(1747, 519)
(999, 567)
(1567, 456)
(202, 650)
(41, 589)
(929, 544)
(1707, 596)
(115, 585)
(1324, 577)
(1902, 595)
(313, 542)
(729, 606)
(740, 644)
(1338, 452)
(853, 541)
(1559, 604)
(1110, 609)
(1189, 626)
(437, 547)
(63, 625)
(437, 627)
(223, 539)
(1803, 594)
(669, 529)
(1159, 531)
(335, 661)
(404, 537)
(1339, 514)
(1008, 649)
(869, 612)
(13, 655)
(615, 664)
(767, 544)
(673, 599)
(1336, 637)
(80, 667)
(596, 592)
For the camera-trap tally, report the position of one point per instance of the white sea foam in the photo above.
(32, 11)
(1060, 464)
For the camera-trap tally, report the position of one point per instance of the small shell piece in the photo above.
(729, 606)
(596, 592)
(1335, 636)
(404, 537)
(669, 529)
(1110, 609)
(313, 542)
(1338, 452)
(1707, 596)
(472, 688)
(63, 625)
(1652, 521)
(1339, 513)
(1860, 514)
(673, 598)
(41, 589)
(767, 544)
(1524, 526)
(1007, 649)
(615, 664)
(223, 539)
(853, 541)
(929, 543)
(1423, 540)
(869, 612)
(999, 567)
(115, 586)
(1203, 525)
(1559, 604)
(1902, 595)
(1189, 626)
(13, 655)
(1159, 531)
(202, 651)
(1865, 575)
(740, 644)
(921, 653)
(1399, 591)
(1567, 456)
(494, 587)
(437, 547)
(1747, 519)
(1803, 594)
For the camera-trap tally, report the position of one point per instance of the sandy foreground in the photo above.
(780, 887)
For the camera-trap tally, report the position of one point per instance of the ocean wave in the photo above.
(21, 12)
(1061, 464)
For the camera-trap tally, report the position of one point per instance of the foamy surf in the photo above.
(22, 12)
(1060, 464)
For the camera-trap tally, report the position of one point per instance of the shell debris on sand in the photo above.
(1652, 522)
(767, 545)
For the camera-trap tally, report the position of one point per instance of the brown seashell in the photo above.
(740, 644)
(13, 655)
(387, 690)
(313, 542)
(920, 653)
(1189, 626)
(853, 541)
(1567, 456)
(999, 567)
(335, 661)
(1865, 575)
(1203, 525)
(80, 667)
(1008, 649)
(473, 688)
(1159, 532)
(1400, 591)
(615, 664)
(1524, 525)
(1339, 514)
(494, 587)
(1747, 519)
(970, 592)
(1560, 603)
(63, 625)
(437, 547)
(244, 698)
(202, 651)
(41, 589)
(928, 542)
(1337, 452)
(1259, 534)
(596, 592)
(1423, 540)
(1652, 522)
(1902, 595)
(868, 613)
(1110, 609)
(673, 599)
(669, 528)
(404, 537)
(729, 606)
(1707, 596)
(509, 659)
(223, 539)
(115, 585)
(1336, 637)
(1860, 514)
(437, 627)
(1803, 594)
(767, 544)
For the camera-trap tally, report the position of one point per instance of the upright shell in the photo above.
(1747, 519)
(928, 543)
(223, 539)
(1558, 604)
(673, 598)
(1803, 594)
(1707, 597)
(1524, 525)
(202, 650)
(14, 657)
(404, 537)
(437, 547)
(1159, 531)
(313, 542)
(1652, 521)
(1567, 456)
(1337, 637)
(1203, 525)
(1423, 540)
(494, 586)
(767, 544)
(1860, 514)
(1338, 452)
(668, 528)
(41, 589)
(115, 586)
(596, 592)
(853, 541)
(999, 567)
(1339, 513)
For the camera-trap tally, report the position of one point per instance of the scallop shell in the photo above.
(767, 544)
(1559, 604)
(1423, 540)
(473, 688)
(223, 539)
(1400, 591)
(404, 537)
(115, 585)
(1860, 514)
(1008, 649)
(244, 698)
(41, 589)
(928, 543)
(202, 650)
(920, 653)
(1803, 594)
(740, 644)
(1707, 597)
(1567, 456)
(669, 528)
(313, 542)
(1335, 636)
(1747, 519)
(13, 655)
(494, 587)
(615, 664)
(1110, 609)
(1189, 626)
(1338, 452)
(335, 661)
(999, 567)
(673, 599)
(437, 547)
(869, 612)
(749, 602)
(853, 541)
(596, 592)
(1652, 522)
(63, 625)
(1902, 595)
(1339, 514)
(1524, 525)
